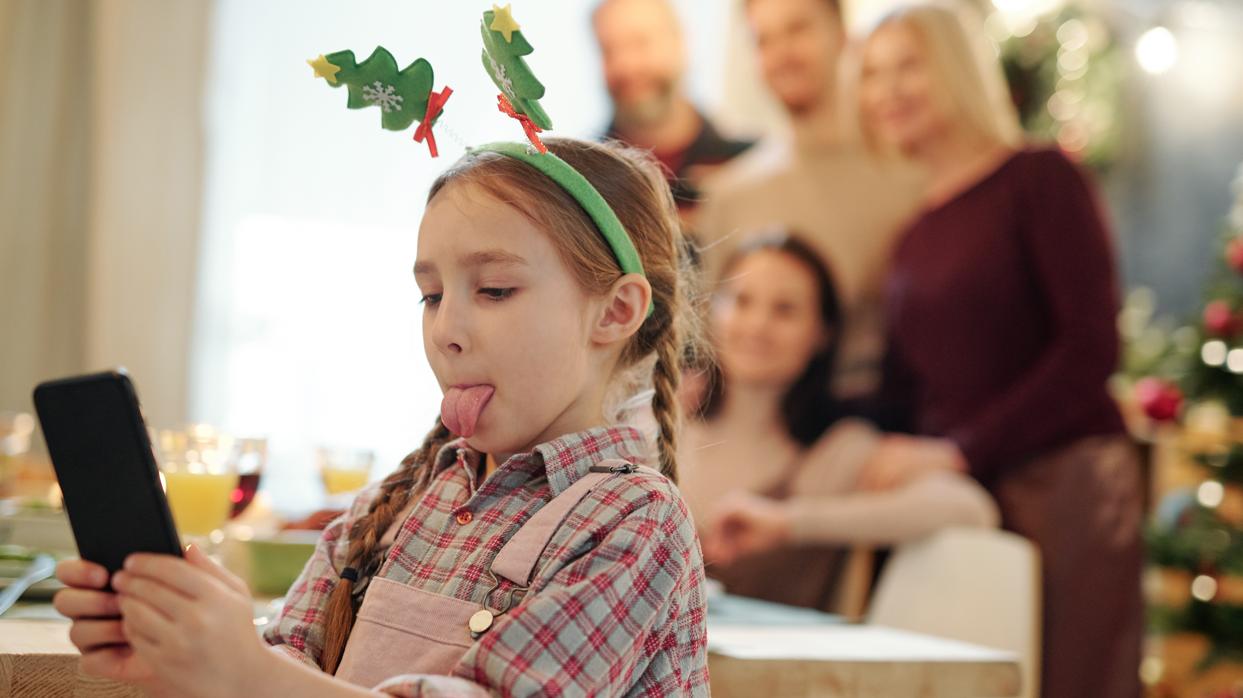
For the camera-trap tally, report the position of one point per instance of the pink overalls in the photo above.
(403, 630)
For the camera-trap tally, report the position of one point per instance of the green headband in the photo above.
(587, 196)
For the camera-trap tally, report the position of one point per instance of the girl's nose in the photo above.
(448, 329)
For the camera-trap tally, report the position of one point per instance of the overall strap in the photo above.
(516, 560)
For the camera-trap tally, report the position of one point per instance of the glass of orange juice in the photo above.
(344, 471)
(199, 479)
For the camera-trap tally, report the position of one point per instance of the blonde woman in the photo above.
(1001, 300)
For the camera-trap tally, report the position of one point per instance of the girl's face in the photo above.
(898, 90)
(767, 320)
(502, 311)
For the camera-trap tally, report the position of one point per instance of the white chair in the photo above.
(975, 585)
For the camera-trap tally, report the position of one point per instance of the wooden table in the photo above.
(853, 661)
(761, 649)
(755, 649)
(38, 661)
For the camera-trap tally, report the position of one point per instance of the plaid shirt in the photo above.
(617, 604)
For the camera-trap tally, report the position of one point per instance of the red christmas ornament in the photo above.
(1220, 319)
(1159, 398)
(1234, 254)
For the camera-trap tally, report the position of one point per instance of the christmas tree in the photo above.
(402, 95)
(1196, 539)
(1065, 74)
(503, 48)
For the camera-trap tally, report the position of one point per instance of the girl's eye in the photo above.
(431, 299)
(497, 294)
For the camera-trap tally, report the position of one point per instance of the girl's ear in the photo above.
(624, 309)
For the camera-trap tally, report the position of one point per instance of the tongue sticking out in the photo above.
(461, 407)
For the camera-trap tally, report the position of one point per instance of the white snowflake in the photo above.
(507, 85)
(383, 95)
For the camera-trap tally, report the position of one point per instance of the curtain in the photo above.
(45, 52)
(100, 179)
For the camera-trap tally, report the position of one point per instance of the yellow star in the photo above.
(503, 22)
(324, 69)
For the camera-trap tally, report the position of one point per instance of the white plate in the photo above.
(39, 590)
(10, 570)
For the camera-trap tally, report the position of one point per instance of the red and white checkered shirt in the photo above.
(617, 605)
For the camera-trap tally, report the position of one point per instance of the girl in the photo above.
(519, 550)
(770, 472)
(1002, 304)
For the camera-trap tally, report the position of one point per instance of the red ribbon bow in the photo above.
(435, 103)
(528, 126)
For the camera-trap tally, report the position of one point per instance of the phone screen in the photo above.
(107, 471)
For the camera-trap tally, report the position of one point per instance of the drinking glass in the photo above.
(199, 481)
(343, 471)
(249, 457)
(15, 431)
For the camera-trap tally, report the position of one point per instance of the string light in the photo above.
(1151, 670)
(1213, 353)
(1072, 61)
(1073, 34)
(1157, 50)
(1210, 493)
(1204, 588)
(1234, 360)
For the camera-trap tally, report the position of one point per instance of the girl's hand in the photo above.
(96, 629)
(190, 620)
(745, 524)
(900, 459)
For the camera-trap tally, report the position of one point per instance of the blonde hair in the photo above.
(965, 64)
(632, 184)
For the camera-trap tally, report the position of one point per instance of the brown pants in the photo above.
(1081, 506)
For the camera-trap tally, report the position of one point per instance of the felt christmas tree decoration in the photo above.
(403, 96)
(504, 46)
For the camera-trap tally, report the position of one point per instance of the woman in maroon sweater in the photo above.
(1002, 301)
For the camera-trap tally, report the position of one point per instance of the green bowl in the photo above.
(276, 562)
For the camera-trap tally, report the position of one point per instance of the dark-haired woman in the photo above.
(770, 469)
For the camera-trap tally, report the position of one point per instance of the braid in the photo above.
(666, 408)
(364, 552)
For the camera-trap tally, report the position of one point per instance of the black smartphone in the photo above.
(108, 474)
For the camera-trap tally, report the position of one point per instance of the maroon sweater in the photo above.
(1002, 306)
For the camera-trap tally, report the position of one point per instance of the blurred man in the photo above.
(644, 61)
(814, 181)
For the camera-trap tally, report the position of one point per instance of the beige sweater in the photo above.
(848, 206)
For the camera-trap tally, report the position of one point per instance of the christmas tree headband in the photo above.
(405, 96)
